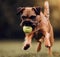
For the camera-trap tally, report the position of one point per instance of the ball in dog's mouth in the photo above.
(27, 29)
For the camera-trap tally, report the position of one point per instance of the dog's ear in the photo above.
(37, 10)
(20, 10)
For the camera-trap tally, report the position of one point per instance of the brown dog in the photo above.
(39, 21)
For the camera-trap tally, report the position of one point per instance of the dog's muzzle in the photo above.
(33, 24)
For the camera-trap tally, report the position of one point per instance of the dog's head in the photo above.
(29, 16)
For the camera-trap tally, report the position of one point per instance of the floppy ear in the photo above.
(20, 10)
(37, 10)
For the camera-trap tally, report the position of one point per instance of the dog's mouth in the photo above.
(28, 23)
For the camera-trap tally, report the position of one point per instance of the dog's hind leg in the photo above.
(39, 44)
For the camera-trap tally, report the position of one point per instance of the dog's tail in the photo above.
(46, 9)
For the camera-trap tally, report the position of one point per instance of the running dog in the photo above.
(39, 21)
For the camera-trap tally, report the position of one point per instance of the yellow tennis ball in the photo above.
(27, 29)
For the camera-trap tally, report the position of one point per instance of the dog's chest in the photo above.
(38, 34)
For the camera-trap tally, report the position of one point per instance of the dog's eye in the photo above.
(24, 17)
(32, 17)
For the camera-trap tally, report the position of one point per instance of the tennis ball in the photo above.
(27, 29)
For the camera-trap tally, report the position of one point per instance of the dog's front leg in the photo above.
(27, 42)
(47, 43)
(47, 40)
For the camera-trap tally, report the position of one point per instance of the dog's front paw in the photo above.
(26, 47)
(47, 43)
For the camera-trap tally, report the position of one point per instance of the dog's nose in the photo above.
(27, 23)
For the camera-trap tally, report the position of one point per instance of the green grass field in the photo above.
(14, 49)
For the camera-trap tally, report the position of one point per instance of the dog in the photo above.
(38, 19)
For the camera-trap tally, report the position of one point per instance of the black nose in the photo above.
(27, 23)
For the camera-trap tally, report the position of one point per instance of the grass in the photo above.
(14, 49)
